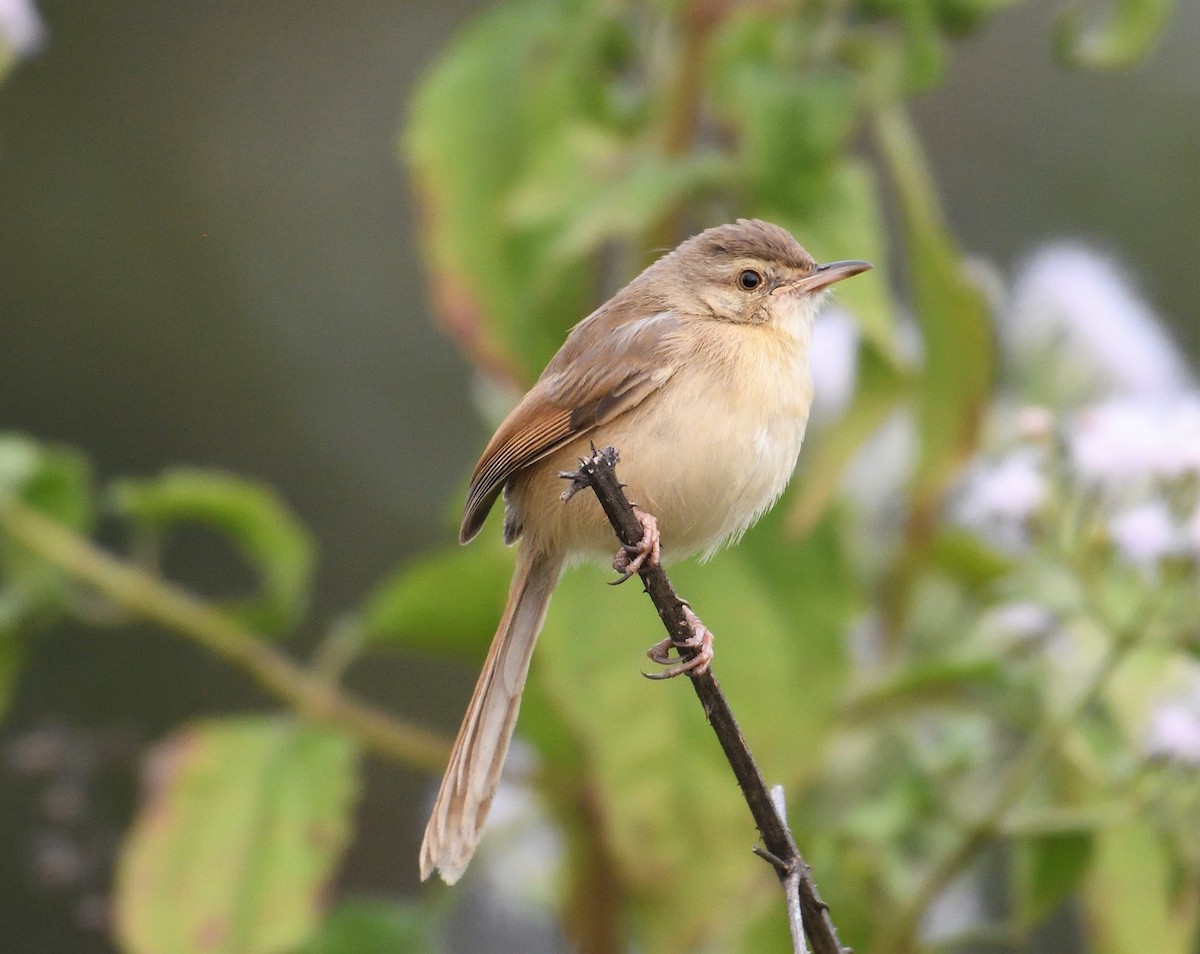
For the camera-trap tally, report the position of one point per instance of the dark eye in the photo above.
(749, 279)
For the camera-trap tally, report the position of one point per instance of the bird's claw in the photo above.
(700, 643)
(647, 552)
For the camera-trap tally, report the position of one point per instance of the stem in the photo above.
(182, 613)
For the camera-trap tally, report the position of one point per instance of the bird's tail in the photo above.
(461, 809)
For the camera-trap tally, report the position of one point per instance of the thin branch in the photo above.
(597, 472)
(153, 599)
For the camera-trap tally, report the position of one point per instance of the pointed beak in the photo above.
(825, 275)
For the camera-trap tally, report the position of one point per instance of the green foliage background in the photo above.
(553, 148)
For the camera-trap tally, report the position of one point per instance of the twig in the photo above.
(153, 599)
(808, 914)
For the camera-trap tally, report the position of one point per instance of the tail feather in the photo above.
(462, 804)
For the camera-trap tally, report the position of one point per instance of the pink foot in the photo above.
(647, 552)
(700, 642)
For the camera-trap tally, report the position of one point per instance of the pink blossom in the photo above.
(1145, 533)
(1072, 302)
(21, 27)
(1174, 731)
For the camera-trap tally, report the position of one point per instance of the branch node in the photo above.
(781, 866)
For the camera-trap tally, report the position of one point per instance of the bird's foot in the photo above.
(647, 552)
(700, 643)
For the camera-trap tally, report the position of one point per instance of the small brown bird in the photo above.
(697, 372)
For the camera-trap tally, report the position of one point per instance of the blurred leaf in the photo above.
(253, 518)
(1048, 869)
(510, 85)
(846, 221)
(244, 825)
(945, 682)
(1056, 820)
(645, 747)
(880, 391)
(1122, 35)
(792, 132)
(375, 927)
(586, 200)
(448, 602)
(1128, 900)
(924, 48)
(58, 483)
(966, 558)
(54, 480)
(959, 359)
(959, 17)
(747, 39)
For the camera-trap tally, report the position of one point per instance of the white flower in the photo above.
(833, 357)
(1011, 489)
(1174, 731)
(1130, 438)
(1026, 620)
(21, 28)
(1145, 533)
(1075, 306)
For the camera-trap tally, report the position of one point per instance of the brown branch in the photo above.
(808, 914)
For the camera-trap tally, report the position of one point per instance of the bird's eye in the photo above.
(749, 279)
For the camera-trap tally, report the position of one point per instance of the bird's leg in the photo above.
(646, 552)
(701, 642)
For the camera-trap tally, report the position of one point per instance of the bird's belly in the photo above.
(704, 462)
(708, 481)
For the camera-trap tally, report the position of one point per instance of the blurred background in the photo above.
(208, 256)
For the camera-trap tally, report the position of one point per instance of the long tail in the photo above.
(470, 782)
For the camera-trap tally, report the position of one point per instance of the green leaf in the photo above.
(959, 682)
(879, 393)
(952, 312)
(54, 480)
(57, 482)
(590, 191)
(645, 749)
(959, 17)
(793, 131)
(1128, 900)
(969, 560)
(924, 48)
(1119, 37)
(244, 826)
(517, 80)
(448, 602)
(846, 221)
(251, 516)
(376, 927)
(1049, 869)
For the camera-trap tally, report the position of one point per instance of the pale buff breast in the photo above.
(706, 455)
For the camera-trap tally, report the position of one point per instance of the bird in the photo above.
(697, 372)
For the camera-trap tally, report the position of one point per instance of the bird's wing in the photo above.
(603, 370)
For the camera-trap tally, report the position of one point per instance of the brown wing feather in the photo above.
(580, 389)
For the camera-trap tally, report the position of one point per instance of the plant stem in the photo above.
(154, 599)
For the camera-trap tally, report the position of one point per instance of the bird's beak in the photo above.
(825, 275)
